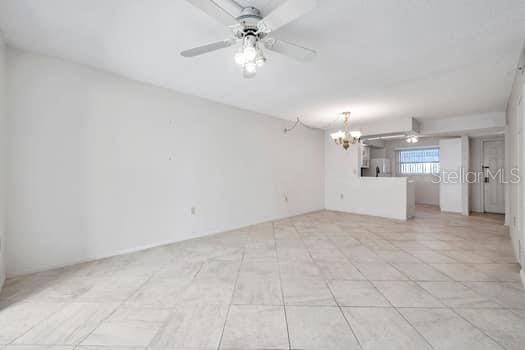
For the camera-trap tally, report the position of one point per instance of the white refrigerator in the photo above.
(381, 167)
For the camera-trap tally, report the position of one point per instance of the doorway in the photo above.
(493, 176)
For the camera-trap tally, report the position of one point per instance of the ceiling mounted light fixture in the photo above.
(252, 31)
(347, 137)
(251, 56)
(412, 139)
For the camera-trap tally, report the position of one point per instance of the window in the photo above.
(419, 161)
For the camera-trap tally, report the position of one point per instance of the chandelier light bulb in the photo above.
(338, 135)
(356, 134)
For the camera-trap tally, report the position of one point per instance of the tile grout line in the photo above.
(403, 316)
(231, 300)
(331, 293)
(393, 307)
(476, 327)
(123, 302)
(87, 302)
(444, 306)
(281, 285)
(12, 342)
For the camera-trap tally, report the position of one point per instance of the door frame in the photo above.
(482, 187)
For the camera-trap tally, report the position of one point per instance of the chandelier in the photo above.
(346, 137)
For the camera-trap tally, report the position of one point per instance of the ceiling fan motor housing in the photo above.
(249, 17)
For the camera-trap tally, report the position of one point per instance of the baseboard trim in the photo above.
(49, 267)
(26, 272)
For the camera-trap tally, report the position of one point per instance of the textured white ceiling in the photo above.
(377, 58)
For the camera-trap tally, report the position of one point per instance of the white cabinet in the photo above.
(453, 193)
(364, 158)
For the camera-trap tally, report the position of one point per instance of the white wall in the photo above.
(3, 164)
(346, 191)
(452, 158)
(403, 125)
(101, 165)
(514, 158)
(464, 124)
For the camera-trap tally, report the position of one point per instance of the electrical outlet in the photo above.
(286, 198)
(193, 211)
(342, 196)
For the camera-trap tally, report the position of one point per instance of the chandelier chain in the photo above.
(327, 126)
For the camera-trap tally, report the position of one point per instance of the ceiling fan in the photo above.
(253, 31)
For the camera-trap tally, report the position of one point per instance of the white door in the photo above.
(493, 187)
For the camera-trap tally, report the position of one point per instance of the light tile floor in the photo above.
(324, 280)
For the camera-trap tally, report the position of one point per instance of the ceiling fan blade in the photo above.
(208, 48)
(297, 52)
(286, 13)
(213, 9)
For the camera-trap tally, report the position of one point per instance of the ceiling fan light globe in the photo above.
(250, 53)
(260, 61)
(248, 75)
(240, 59)
(250, 67)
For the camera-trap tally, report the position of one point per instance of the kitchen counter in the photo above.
(390, 197)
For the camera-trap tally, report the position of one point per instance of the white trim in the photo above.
(413, 148)
(98, 257)
(482, 184)
(150, 246)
